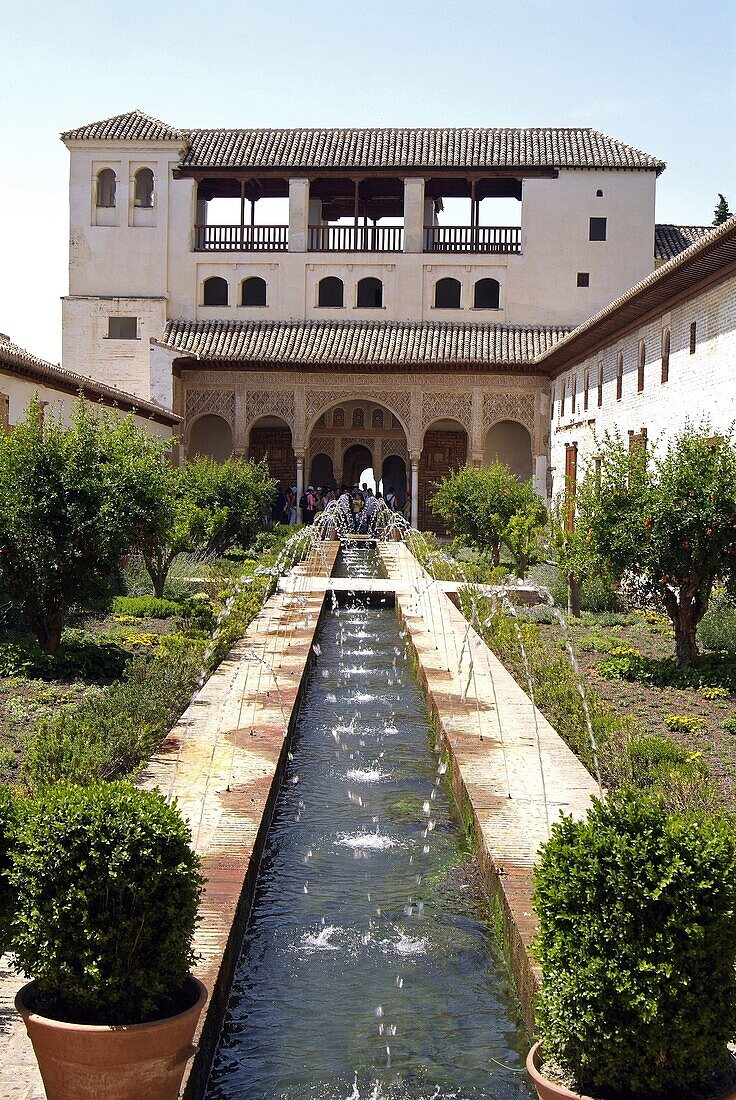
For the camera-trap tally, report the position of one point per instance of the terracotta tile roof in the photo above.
(384, 147)
(362, 344)
(17, 361)
(712, 254)
(132, 126)
(671, 240)
(456, 147)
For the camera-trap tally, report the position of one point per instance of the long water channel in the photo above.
(368, 969)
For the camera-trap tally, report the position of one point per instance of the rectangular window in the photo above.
(583, 278)
(585, 391)
(574, 393)
(597, 230)
(693, 336)
(122, 328)
(562, 399)
(600, 385)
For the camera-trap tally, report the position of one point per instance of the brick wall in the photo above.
(442, 452)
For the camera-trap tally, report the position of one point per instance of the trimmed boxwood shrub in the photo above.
(637, 942)
(108, 888)
(145, 607)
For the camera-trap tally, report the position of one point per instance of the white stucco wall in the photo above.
(698, 385)
(20, 392)
(123, 266)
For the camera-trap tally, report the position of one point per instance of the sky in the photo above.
(658, 75)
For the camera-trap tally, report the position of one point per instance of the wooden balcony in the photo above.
(472, 238)
(356, 238)
(241, 238)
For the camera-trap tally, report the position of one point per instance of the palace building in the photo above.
(303, 295)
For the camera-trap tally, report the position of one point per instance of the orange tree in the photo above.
(74, 500)
(477, 504)
(669, 519)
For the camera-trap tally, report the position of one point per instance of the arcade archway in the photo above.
(445, 448)
(510, 442)
(210, 436)
(270, 438)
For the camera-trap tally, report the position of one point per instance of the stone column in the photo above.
(541, 463)
(413, 214)
(298, 214)
(476, 460)
(415, 489)
(299, 481)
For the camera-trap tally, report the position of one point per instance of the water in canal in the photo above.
(368, 969)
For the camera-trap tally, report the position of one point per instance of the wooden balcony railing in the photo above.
(472, 238)
(241, 238)
(352, 238)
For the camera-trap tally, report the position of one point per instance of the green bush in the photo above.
(714, 670)
(729, 724)
(8, 825)
(114, 733)
(145, 607)
(685, 723)
(78, 657)
(717, 630)
(637, 944)
(597, 593)
(656, 760)
(108, 889)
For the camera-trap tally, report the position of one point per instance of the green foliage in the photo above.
(637, 941)
(231, 500)
(478, 503)
(729, 724)
(73, 501)
(670, 520)
(78, 657)
(656, 760)
(8, 826)
(685, 723)
(709, 671)
(108, 888)
(522, 532)
(717, 631)
(722, 211)
(597, 593)
(709, 692)
(145, 607)
(113, 733)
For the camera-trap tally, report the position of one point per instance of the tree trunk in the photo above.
(47, 626)
(686, 645)
(573, 597)
(496, 553)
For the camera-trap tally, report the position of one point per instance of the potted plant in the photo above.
(637, 943)
(107, 889)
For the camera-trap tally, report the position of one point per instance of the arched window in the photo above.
(106, 187)
(370, 293)
(665, 354)
(144, 188)
(447, 294)
(640, 366)
(253, 292)
(377, 418)
(338, 418)
(330, 292)
(358, 418)
(487, 294)
(619, 375)
(215, 291)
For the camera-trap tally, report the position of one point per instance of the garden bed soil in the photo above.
(649, 705)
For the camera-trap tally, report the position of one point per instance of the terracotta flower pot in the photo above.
(547, 1090)
(129, 1062)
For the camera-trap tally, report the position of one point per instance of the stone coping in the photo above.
(511, 771)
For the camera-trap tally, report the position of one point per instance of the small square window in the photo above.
(597, 229)
(122, 328)
(583, 278)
